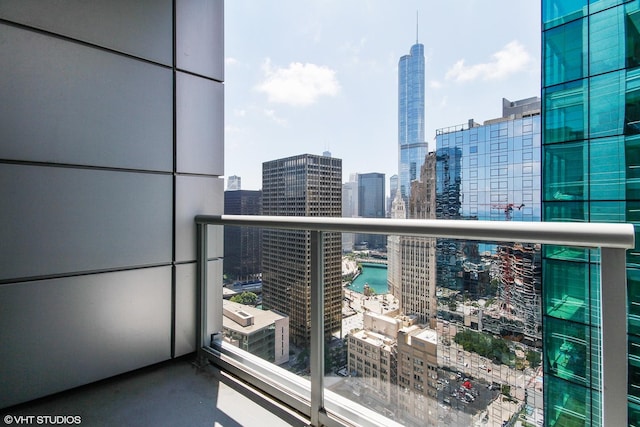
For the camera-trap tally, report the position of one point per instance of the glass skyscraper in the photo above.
(411, 143)
(371, 204)
(591, 172)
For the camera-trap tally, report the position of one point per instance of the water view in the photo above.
(373, 274)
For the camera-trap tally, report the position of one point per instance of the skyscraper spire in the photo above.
(416, 27)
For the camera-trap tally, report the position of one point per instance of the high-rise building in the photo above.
(393, 187)
(412, 147)
(417, 266)
(371, 204)
(303, 185)
(349, 209)
(486, 172)
(591, 170)
(242, 245)
(234, 182)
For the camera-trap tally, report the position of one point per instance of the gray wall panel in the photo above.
(63, 333)
(64, 220)
(197, 195)
(141, 27)
(199, 125)
(200, 37)
(186, 303)
(82, 105)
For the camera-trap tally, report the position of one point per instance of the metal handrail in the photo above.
(588, 234)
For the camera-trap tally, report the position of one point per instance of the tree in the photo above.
(246, 298)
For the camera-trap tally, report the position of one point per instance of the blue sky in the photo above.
(315, 75)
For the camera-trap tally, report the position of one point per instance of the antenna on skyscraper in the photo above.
(417, 27)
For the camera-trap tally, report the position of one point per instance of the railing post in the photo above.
(201, 286)
(613, 295)
(317, 326)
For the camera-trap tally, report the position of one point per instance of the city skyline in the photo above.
(347, 54)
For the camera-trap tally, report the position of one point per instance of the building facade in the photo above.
(417, 255)
(412, 147)
(591, 112)
(242, 245)
(487, 172)
(263, 333)
(349, 209)
(303, 185)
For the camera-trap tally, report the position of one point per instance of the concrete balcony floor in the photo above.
(174, 393)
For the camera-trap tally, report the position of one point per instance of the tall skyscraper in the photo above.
(418, 254)
(591, 171)
(303, 185)
(412, 147)
(349, 209)
(393, 187)
(234, 182)
(242, 245)
(371, 204)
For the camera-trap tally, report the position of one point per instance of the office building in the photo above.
(112, 137)
(371, 204)
(303, 185)
(393, 187)
(394, 261)
(591, 146)
(416, 271)
(263, 333)
(242, 245)
(412, 147)
(487, 172)
(349, 209)
(234, 182)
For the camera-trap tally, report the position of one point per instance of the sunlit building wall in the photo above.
(591, 172)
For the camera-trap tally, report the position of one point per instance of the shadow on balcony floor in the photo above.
(175, 393)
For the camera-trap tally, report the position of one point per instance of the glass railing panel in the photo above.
(452, 349)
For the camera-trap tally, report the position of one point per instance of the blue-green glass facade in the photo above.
(412, 146)
(591, 171)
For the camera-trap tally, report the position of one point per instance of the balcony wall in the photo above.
(111, 130)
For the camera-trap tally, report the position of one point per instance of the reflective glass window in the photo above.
(566, 350)
(566, 211)
(633, 295)
(634, 367)
(606, 116)
(565, 167)
(632, 103)
(632, 35)
(567, 289)
(606, 172)
(563, 53)
(570, 404)
(556, 12)
(606, 41)
(632, 159)
(565, 111)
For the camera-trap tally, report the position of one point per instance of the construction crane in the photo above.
(506, 267)
(508, 209)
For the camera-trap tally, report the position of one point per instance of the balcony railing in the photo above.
(327, 408)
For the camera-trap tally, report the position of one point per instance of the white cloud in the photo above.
(434, 84)
(272, 115)
(510, 59)
(230, 61)
(298, 84)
